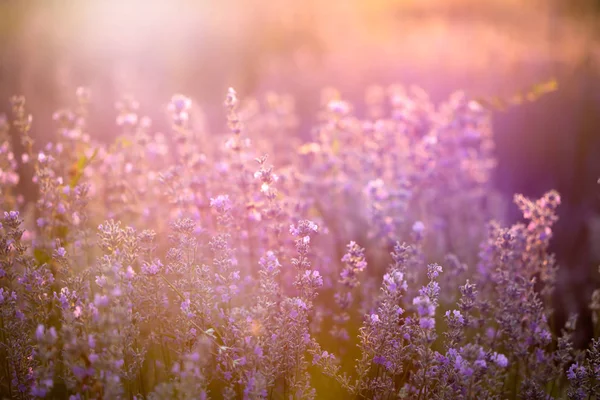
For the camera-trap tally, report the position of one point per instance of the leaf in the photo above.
(309, 148)
(81, 164)
(123, 142)
(41, 256)
(534, 93)
(94, 154)
(494, 103)
(483, 102)
(541, 89)
(335, 146)
(545, 87)
(120, 143)
(62, 232)
(314, 212)
(168, 335)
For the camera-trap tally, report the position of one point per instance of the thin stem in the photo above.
(7, 364)
(422, 390)
(516, 380)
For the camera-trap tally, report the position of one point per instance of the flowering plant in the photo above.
(370, 262)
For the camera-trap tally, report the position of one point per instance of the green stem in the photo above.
(164, 357)
(7, 364)
(515, 386)
(141, 380)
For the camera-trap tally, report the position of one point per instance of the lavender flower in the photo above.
(162, 266)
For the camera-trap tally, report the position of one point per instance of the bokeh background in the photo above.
(152, 49)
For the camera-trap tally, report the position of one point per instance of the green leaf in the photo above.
(120, 143)
(41, 256)
(497, 103)
(544, 88)
(81, 164)
(483, 102)
(62, 232)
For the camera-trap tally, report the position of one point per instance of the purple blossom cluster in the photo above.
(185, 265)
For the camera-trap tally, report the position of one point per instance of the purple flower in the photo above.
(221, 203)
(427, 323)
(304, 228)
(299, 303)
(338, 107)
(101, 280)
(455, 315)
(179, 104)
(152, 268)
(424, 306)
(39, 332)
(11, 216)
(61, 252)
(433, 271)
(500, 359)
(101, 300)
(129, 273)
(81, 373)
(127, 119)
(462, 366)
(393, 281)
(37, 391)
(91, 341)
(355, 263)
(61, 209)
(571, 372)
(418, 227)
(269, 262)
(379, 360)
(186, 307)
(313, 278)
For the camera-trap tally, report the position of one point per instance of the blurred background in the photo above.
(153, 49)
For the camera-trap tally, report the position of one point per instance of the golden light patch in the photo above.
(255, 328)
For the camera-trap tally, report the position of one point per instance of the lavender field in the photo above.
(312, 229)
